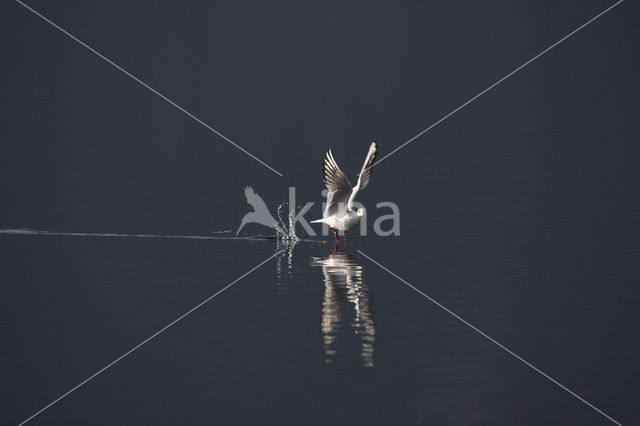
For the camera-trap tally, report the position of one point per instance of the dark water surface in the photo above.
(308, 338)
(520, 213)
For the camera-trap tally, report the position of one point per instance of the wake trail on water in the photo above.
(284, 232)
(37, 232)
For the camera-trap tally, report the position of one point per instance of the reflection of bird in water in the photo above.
(346, 305)
(260, 213)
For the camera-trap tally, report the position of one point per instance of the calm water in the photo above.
(311, 337)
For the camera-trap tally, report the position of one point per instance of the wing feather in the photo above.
(338, 185)
(365, 173)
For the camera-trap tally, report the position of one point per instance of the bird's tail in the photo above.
(317, 221)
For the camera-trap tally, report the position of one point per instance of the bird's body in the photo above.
(346, 222)
(339, 213)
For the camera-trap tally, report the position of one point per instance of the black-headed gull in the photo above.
(339, 213)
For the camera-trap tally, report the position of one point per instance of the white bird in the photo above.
(339, 213)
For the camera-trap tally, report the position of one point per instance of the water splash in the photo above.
(289, 233)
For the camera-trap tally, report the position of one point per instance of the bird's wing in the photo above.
(255, 201)
(365, 173)
(338, 186)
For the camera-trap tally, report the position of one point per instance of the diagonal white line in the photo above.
(482, 333)
(498, 82)
(147, 339)
(150, 88)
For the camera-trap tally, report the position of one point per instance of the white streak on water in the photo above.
(36, 232)
(26, 231)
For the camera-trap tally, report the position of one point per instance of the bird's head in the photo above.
(360, 212)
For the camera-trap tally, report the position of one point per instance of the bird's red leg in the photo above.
(335, 234)
(345, 234)
(334, 249)
(344, 248)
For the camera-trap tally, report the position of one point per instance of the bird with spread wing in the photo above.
(339, 213)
